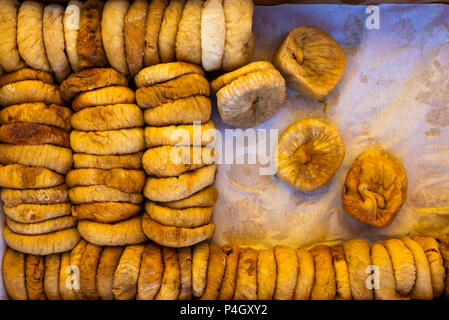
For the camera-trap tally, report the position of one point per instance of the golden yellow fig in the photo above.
(306, 275)
(251, 99)
(325, 287)
(215, 272)
(227, 78)
(88, 271)
(311, 61)
(375, 188)
(43, 227)
(129, 181)
(118, 234)
(266, 271)
(188, 37)
(106, 212)
(175, 237)
(13, 272)
(443, 241)
(43, 244)
(171, 278)
(151, 270)
(17, 176)
(90, 79)
(186, 218)
(232, 252)
(109, 260)
(127, 273)
(185, 268)
(341, 273)
(403, 265)
(29, 91)
(26, 74)
(125, 161)
(204, 198)
(309, 154)
(199, 268)
(109, 117)
(165, 72)
(436, 263)
(40, 113)
(103, 96)
(422, 290)
(287, 272)
(381, 259)
(34, 275)
(13, 198)
(358, 258)
(246, 284)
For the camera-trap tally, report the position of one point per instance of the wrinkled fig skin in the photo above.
(375, 188)
(309, 154)
(311, 61)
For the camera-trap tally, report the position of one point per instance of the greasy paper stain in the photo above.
(433, 132)
(330, 101)
(246, 233)
(436, 79)
(405, 30)
(438, 117)
(353, 30)
(430, 197)
(247, 178)
(363, 78)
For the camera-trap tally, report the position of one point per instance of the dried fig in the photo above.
(164, 72)
(251, 99)
(375, 188)
(246, 284)
(266, 271)
(306, 275)
(200, 259)
(171, 278)
(215, 273)
(175, 237)
(227, 289)
(13, 273)
(311, 61)
(287, 272)
(309, 154)
(185, 268)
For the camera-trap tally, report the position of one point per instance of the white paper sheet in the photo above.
(394, 94)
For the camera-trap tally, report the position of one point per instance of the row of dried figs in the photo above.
(310, 152)
(124, 34)
(394, 269)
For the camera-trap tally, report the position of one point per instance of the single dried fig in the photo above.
(311, 61)
(375, 188)
(252, 98)
(309, 154)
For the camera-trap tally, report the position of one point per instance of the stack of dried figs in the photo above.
(35, 155)
(107, 179)
(180, 156)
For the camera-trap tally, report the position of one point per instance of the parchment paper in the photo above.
(394, 94)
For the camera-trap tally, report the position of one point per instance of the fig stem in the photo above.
(376, 198)
(298, 55)
(302, 156)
